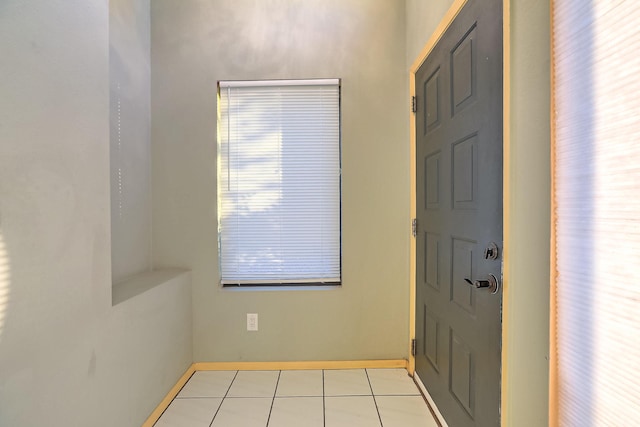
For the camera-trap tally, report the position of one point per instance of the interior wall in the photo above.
(196, 43)
(130, 144)
(526, 312)
(528, 195)
(423, 16)
(67, 357)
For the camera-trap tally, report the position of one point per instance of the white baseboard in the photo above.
(427, 396)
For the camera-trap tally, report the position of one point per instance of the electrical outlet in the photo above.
(252, 321)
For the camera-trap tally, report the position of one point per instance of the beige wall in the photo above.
(526, 313)
(527, 208)
(423, 16)
(67, 357)
(198, 42)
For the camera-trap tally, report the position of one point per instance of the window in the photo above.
(279, 182)
(597, 223)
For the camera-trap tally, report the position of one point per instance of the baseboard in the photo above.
(267, 366)
(278, 366)
(432, 404)
(164, 404)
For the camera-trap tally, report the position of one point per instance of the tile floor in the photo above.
(317, 398)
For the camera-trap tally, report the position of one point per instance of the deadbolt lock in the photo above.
(492, 251)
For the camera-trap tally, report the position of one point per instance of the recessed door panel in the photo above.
(464, 173)
(461, 381)
(462, 268)
(431, 338)
(463, 63)
(432, 262)
(432, 181)
(432, 101)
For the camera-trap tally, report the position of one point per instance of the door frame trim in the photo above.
(442, 27)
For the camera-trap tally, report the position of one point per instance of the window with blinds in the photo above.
(279, 182)
(597, 212)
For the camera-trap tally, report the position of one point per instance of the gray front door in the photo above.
(459, 212)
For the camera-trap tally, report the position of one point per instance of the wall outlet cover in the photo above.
(252, 321)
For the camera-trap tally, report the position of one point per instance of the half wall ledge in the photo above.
(141, 283)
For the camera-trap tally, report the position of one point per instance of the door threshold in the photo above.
(432, 405)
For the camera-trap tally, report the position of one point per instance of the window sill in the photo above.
(141, 283)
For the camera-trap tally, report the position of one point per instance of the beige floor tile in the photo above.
(243, 412)
(392, 382)
(297, 412)
(346, 382)
(208, 384)
(189, 413)
(351, 411)
(254, 384)
(404, 411)
(300, 383)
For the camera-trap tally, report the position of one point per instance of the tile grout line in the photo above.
(273, 399)
(223, 398)
(375, 402)
(353, 395)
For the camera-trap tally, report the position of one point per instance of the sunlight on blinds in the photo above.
(279, 182)
(597, 198)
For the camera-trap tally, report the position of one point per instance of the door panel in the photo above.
(432, 101)
(459, 210)
(463, 64)
(431, 333)
(461, 268)
(432, 181)
(462, 375)
(432, 260)
(464, 171)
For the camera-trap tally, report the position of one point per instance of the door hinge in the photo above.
(414, 104)
(414, 227)
(414, 346)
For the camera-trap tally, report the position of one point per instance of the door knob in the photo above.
(491, 283)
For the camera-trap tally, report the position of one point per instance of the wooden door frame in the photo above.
(442, 27)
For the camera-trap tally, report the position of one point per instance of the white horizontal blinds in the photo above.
(279, 182)
(597, 114)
